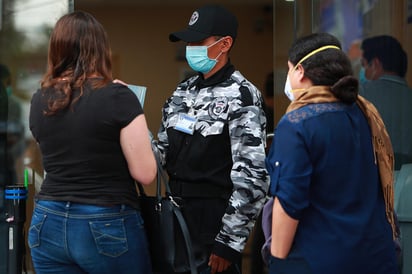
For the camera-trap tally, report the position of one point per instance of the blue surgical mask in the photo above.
(198, 59)
(362, 76)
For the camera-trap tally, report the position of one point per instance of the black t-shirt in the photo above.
(81, 148)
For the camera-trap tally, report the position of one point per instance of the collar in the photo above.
(393, 78)
(221, 75)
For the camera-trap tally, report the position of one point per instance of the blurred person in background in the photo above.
(15, 128)
(385, 64)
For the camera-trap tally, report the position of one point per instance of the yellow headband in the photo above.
(314, 52)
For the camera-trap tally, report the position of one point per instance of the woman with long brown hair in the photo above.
(95, 144)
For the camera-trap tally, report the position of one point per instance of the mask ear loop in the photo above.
(214, 43)
(221, 52)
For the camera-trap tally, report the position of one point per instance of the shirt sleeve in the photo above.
(248, 174)
(35, 112)
(161, 145)
(290, 168)
(123, 105)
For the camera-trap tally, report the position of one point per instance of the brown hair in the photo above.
(78, 49)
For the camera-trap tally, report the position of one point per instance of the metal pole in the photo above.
(15, 199)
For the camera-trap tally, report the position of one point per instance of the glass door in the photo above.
(350, 21)
(24, 33)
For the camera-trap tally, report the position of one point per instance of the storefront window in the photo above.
(24, 32)
(350, 21)
(353, 20)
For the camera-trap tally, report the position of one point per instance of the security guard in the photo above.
(212, 143)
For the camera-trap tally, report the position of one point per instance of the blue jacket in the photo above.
(324, 174)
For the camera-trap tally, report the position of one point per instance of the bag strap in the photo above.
(161, 178)
(188, 241)
(179, 216)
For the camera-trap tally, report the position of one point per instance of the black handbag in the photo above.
(168, 236)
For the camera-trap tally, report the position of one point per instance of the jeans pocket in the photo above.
(36, 225)
(110, 237)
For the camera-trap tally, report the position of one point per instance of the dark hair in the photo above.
(389, 52)
(330, 67)
(78, 49)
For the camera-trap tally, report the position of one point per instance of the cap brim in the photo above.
(187, 36)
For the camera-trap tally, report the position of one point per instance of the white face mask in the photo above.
(288, 89)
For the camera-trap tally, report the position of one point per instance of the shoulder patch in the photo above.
(246, 96)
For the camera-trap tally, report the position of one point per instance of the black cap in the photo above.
(209, 20)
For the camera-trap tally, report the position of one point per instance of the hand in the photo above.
(218, 264)
(117, 81)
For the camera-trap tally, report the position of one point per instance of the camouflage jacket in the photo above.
(226, 149)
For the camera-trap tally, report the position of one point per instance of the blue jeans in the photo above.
(74, 238)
